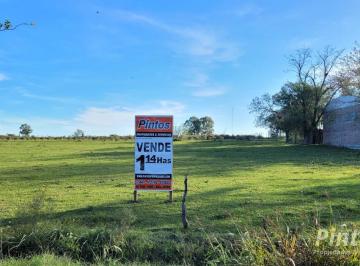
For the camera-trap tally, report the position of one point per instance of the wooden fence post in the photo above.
(135, 195)
(183, 205)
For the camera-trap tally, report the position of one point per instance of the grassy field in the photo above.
(232, 184)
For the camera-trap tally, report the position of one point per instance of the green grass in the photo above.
(45, 259)
(49, 259)
(232, 184)
(230, 181)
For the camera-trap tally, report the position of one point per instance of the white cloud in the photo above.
(93, 120)
(202, 87)
(60, 100)
(247, 10)
(199, 80)
(194, 41)
(40, 125)
(201, 45)
(208, 45)
(27, 94)
(134, 17)
(3, 77)
(302, 43)
(210, 91)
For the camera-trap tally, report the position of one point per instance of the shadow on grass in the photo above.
(119, 153)
(204, 158)
(329, 202)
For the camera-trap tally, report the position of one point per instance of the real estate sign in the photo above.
(153, 152)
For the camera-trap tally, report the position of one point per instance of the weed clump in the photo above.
(111, 239)
(277, 244)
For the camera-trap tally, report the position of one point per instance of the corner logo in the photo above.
(348, 238)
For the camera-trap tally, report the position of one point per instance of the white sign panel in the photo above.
(153, 153)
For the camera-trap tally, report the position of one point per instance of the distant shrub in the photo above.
(239, 137)
(34, 138)
(219, 137)
(79, 133)
(114, 137)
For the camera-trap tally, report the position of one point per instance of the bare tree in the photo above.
(313, 71)
(300, 105)
(348, 76)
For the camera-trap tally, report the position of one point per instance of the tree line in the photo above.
(298, 108)
(194, 126)
(25, 130)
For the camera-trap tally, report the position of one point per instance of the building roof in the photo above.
(343, 102)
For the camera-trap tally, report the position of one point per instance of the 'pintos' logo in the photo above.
(148, 124)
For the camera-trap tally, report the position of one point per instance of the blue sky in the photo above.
(93, 65)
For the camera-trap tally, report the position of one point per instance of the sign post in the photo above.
(153, 154)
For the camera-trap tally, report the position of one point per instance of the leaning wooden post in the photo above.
(183, 205)
(135, 195)
(170, 196)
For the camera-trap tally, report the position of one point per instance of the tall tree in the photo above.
(300, 105)
(207, 126)
(276, 113)
(195, 126)
(192, 126)
(314, 88)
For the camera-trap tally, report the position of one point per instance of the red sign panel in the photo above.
(153, 184)
(154, 124)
